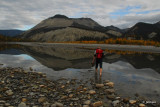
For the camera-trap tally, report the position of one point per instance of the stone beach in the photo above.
(20, 88)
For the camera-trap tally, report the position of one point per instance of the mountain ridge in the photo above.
(75, 29)
(53, 26)
(145, 31)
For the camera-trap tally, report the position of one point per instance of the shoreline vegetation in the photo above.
(120, 41)
(20, 88)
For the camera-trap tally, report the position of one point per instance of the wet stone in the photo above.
(126, 100)
(22, 104)
(99, 85)
(114, 103)
(92, 92)
(59, 104)
(85, 105)
(110, 91)
(97, 104)
(141, 105)
(75, 99)
(7, 104)
(9, 92)
(111, 97)
(88, 102)
(132, 101)
(46, 104)
(42, 99)
(70, 95)
(110, 84)
(2, 101)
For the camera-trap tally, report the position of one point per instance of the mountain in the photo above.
(113, 28)
(158, 24)
(11, 33)
(113, 31)
(144, 31)
(62, 28)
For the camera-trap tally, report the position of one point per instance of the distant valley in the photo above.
(11, 33)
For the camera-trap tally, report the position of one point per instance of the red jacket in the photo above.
(99, 53)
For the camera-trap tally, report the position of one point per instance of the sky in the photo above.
(24, 14)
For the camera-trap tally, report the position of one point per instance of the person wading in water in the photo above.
(98, 56)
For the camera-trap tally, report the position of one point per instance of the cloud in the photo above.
(121, 13)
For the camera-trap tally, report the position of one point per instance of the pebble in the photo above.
(126, 100)
(110, 84)
(22, 104)
(114, 103)
(24, 99)
(92, 92)
(7, 104)
(42, 99)
(62, 86)
(97, 104)
(99, 85)
(53, 105)
(2, 101)
(110, 91)
(85, 105)
(75, 99)
(111, 97)
(46, 104)
(141, 105)
(59, 104)
(70, 95)
(132, 101)
(88, 102)
(9, 92)
(84, 89)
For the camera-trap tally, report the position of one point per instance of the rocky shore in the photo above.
(19, 88)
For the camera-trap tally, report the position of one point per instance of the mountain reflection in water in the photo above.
(132, 73)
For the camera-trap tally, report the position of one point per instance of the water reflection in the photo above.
(98, 78)
(136, 73)
(59, 58)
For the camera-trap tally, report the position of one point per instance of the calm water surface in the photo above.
(131, 73)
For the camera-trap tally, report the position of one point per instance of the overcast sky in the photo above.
(24, 14)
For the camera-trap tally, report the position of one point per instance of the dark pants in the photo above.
(98, 61)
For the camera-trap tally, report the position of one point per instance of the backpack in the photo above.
(99, 53)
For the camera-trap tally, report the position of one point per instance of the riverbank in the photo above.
(136, 48)
(21, 88)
